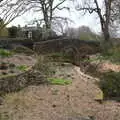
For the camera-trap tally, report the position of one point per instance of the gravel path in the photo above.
(53, 102)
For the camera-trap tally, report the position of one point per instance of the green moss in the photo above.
(59, 81)
(22, 67)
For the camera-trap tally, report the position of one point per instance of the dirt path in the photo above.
(53, 102)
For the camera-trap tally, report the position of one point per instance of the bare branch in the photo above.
(10, 10)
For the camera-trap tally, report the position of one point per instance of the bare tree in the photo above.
(115, 11)
(48, 9)
(82, 33)
(11, 9)
(60, 25)
(115, 18)
(104, 13)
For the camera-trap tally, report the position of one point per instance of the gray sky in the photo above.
(89, 20)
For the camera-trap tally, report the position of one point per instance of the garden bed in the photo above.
(11, 63)
(16, 72)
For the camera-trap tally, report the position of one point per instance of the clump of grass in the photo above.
(22, 67)
(59, 81)
(5, 53)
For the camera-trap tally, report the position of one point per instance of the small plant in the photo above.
(59, 81)
(110, 84)
(5, 53)
(22, 67)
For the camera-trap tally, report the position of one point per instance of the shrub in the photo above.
(44, 66)
(113, 54)
(12, 31)
(110, 84)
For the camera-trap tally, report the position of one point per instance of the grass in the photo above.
(59, 81)
(5, 53)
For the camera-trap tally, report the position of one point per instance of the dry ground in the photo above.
(53, 102)
(20, 59)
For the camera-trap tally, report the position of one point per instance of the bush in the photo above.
(113, 54)
(110, 84)
(13, 31)
(44, 66)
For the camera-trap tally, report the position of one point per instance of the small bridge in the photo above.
(59, 45)
(74, 47)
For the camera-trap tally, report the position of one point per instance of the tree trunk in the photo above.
(107, 43)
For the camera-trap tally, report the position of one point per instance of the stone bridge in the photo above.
(64, 45)
(77, 48)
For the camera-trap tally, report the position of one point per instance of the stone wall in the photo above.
(12, 83)
(11, 42)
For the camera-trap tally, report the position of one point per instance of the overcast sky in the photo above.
(89, 20)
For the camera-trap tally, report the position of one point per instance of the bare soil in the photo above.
(108, 66)
(55, 102)
(105, 65)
